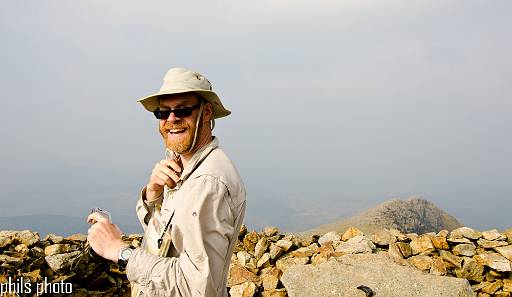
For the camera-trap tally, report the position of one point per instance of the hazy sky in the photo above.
(337, 105)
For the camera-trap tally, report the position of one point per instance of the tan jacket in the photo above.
(209, 208)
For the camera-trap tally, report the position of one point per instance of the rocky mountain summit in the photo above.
(412, 215)
(463, 262)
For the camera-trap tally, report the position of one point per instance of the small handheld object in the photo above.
(104, 214)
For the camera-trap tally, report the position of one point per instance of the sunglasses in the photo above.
(178, 112)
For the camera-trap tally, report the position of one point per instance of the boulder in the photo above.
(376, 271)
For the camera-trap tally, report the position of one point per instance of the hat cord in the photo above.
(197, 126)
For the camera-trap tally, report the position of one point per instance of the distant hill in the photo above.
(57, 224)
(412, 215)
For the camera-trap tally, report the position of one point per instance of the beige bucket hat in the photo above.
(180, 80)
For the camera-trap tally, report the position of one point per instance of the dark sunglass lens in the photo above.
(183, 112)
(161, 114)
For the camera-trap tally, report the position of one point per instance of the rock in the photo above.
(288, 261)
(489, 244)
(507, 285)
(421, 262)
(399, 235)
(284, 244)
(493, 235)
(271, 279)
(275, 293)
(238, 275)
(351, 232)
(77, 237)
(247, 289)
(494, 261)
(422, 245)
(5, 239)
(505, 251)
(53, 238)
(450, 258)
(356, 245)
(309, 239)
(270, 231)
(471, 270)
(378, 272)
(383, 237)
(60, 262)
(22, 249)
(59, 249)
(440, 242)
(243, 257)
(491, 288)
(405, 248)
(332, 236)
(466, 232)
(250, 240)
(438, 266)
(27, 237)
(303, 252)
(275, 251)
(264, 261)
(260, 248)
(395, 254)
(11, 261)
(464, 249)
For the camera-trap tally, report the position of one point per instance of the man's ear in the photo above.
(208, 111)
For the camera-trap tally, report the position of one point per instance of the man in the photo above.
(193, 206)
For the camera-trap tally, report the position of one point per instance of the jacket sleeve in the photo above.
(206, 230)
(144, 208)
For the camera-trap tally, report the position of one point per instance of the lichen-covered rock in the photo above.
(471, 270)
(422, 245)
(238, 275)
(351, 232)
(27, 237)
(494, 261)
(59, 248)
(261, 247)
(505, 251)
(421, 262)
(356, 245)
(60, 262)
(247, 289)
(332, 236)
(466, 232)
(270, 231)
(378, 272)
(464, 249)
(493, 235)
(383, 237)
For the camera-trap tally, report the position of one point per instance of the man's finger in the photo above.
(172, 164)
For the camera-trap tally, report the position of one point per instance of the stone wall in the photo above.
(260, 258)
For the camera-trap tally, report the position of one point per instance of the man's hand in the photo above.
(104, 237)
(166, 172)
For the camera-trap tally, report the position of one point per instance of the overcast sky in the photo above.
(337, 105)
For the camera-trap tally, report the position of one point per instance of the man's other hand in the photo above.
(166, 172)
(104, 237)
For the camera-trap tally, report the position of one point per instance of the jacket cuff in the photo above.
(145, 208)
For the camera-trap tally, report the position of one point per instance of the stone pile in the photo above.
(26, 258)
(261, 258)
(483, 258)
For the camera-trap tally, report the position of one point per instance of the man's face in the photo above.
(178, 133)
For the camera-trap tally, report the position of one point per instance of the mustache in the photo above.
(175, 126)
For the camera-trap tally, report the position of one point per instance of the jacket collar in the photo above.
(197, 158)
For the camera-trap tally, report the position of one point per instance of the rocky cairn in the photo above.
(272, 264)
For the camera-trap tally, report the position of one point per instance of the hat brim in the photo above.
(152, 102)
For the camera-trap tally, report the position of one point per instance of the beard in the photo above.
(181, 142)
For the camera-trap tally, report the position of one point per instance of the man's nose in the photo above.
(172, 117)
